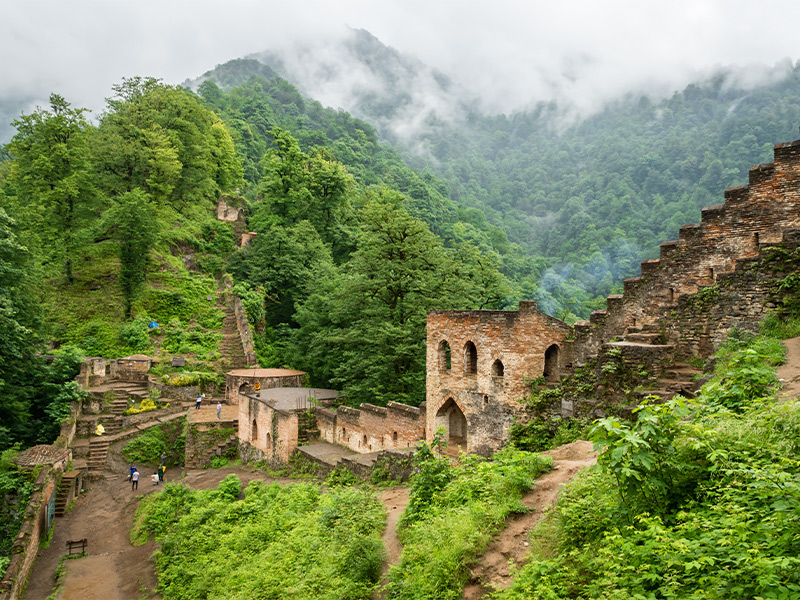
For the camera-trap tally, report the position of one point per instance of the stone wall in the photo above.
(266, 433)
(95, 371)
(229, 208)
(478, 363)
(372, 428)
(38, 516)
(202, 438)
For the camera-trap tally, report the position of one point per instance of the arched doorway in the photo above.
(254, 432)
(551, 364)
(452, 420)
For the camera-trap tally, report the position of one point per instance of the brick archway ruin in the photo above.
(451, 418)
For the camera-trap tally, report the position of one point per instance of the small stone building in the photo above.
(241, 382)
(478, 362)
(270, 420)
(134, 367)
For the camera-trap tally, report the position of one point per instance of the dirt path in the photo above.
(789, 372)
(114, 569)
(395, 501)
(511, 544)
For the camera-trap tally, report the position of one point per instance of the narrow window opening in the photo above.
(445, 359)
(254, 432)
(394, 436)
(470, 359)
(485, 400)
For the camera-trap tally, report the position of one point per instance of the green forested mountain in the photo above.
(590, 198)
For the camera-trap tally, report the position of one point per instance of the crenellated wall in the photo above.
(372, 428)
(753, 216)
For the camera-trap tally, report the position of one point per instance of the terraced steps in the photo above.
(98, 452)
(65, 491)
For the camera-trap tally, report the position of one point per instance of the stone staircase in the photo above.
(231, 345)
(98, 452)
(65, 491)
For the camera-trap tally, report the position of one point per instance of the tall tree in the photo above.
(136, 229)
(363, 326)
(50, 176)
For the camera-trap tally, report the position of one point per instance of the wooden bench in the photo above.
(75, 544)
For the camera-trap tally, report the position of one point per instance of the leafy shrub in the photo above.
(146, 405)
(169, 437)
(136, 334)
(538, 435)
(342, 476)
(280, 541)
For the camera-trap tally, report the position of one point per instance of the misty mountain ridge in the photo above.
(411, 103)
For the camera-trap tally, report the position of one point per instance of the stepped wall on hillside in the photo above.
(706, 254)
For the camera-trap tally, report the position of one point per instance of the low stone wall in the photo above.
(203, 438)
(38, 517)
(372, 428)
(184, 393)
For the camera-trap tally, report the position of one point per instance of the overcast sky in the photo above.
(512, 52)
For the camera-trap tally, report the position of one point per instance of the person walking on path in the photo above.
(198, 400)
(163, 459)
(130, 476)
(135, 479)
(219, 409)
(161, 471)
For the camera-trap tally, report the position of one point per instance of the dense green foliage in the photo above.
(451, 515)
(15, 490)
(677, 507)
(169, 438)
(277, 542)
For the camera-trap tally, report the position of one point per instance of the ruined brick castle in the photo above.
(721, 273)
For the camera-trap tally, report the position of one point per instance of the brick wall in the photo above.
(372, 428)
(491, 355)
(266, 433)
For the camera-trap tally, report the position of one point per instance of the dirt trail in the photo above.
(789, 372)
(511, 544)
(114, 569)
(395, 500)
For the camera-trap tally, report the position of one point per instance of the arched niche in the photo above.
(498, 370)
(254, 431)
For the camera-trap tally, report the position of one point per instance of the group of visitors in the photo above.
(158, 476)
